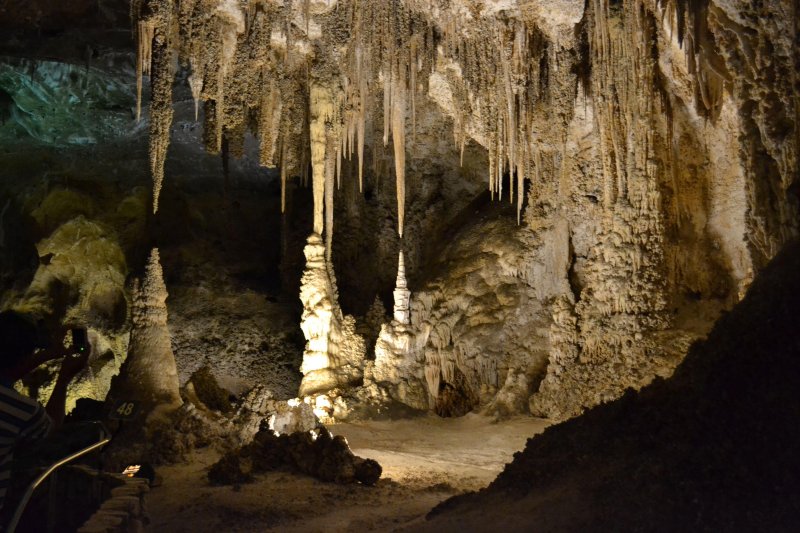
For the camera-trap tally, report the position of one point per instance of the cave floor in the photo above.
(425, 460)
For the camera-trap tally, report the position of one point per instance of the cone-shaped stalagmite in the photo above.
(149, 375)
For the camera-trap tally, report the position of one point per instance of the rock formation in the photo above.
(79, 279)
(334, 354)
(595, 123)
(402, 296)
(316, 453)
(149, 376)
(683, 453)
(641, 156)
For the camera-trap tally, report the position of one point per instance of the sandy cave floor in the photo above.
(425, 460)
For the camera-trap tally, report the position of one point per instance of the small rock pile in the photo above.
(317, 453)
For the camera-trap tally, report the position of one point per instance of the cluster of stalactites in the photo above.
(235, 72)
(706, 66)
(246, 81)
(504, 68)
(627, 88)
(394, 48)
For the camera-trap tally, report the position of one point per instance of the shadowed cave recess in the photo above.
(346, 256)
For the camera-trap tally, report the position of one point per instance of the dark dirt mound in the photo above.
(316, 453)
(713, 448)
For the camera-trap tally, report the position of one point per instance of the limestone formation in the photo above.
(641, 155)
(468, 335)
(81, 282)
(316, 453)
(149, 376)
(402, 296)
(334, 354)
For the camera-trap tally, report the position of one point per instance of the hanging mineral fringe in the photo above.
(399, 142)
(146, 31)
(392, 43)
(162, 76)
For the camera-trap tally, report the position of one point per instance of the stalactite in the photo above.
(196, 86)
(283, 176)
(161, 102)
(433, 379)
(321, 110)
(269, 124)
(399, 142)
(146, 31)
(330, 172)
(387, 105)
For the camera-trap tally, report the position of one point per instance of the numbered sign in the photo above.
(124, 410)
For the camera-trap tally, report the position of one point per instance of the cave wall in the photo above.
(646, 208)
(678, 236)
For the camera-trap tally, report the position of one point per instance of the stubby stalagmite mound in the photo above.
(713, 448)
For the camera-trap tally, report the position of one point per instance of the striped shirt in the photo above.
(20, 419)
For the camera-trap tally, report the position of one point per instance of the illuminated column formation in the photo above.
(402, 296)
(396, 368)
(317, 320)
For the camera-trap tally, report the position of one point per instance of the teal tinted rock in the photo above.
(63, 104)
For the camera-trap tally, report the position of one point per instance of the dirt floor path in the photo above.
(425, 460)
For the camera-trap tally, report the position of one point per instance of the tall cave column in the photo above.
(149, 375)
(334, 353)
(319, 305)
(322, 110)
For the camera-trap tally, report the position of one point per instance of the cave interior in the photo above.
(418, 265)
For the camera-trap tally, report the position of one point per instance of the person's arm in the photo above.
(56, 405)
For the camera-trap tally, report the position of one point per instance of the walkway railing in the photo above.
(104, 439)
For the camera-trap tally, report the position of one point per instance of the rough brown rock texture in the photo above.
(316, 453)
(149, 375)
(209, 392)
(709, 449)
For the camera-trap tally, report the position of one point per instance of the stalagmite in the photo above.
(402, 296)
(149, 376)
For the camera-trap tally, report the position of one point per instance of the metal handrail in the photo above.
(55, 466)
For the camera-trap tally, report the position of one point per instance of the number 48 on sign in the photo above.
(124, 410)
